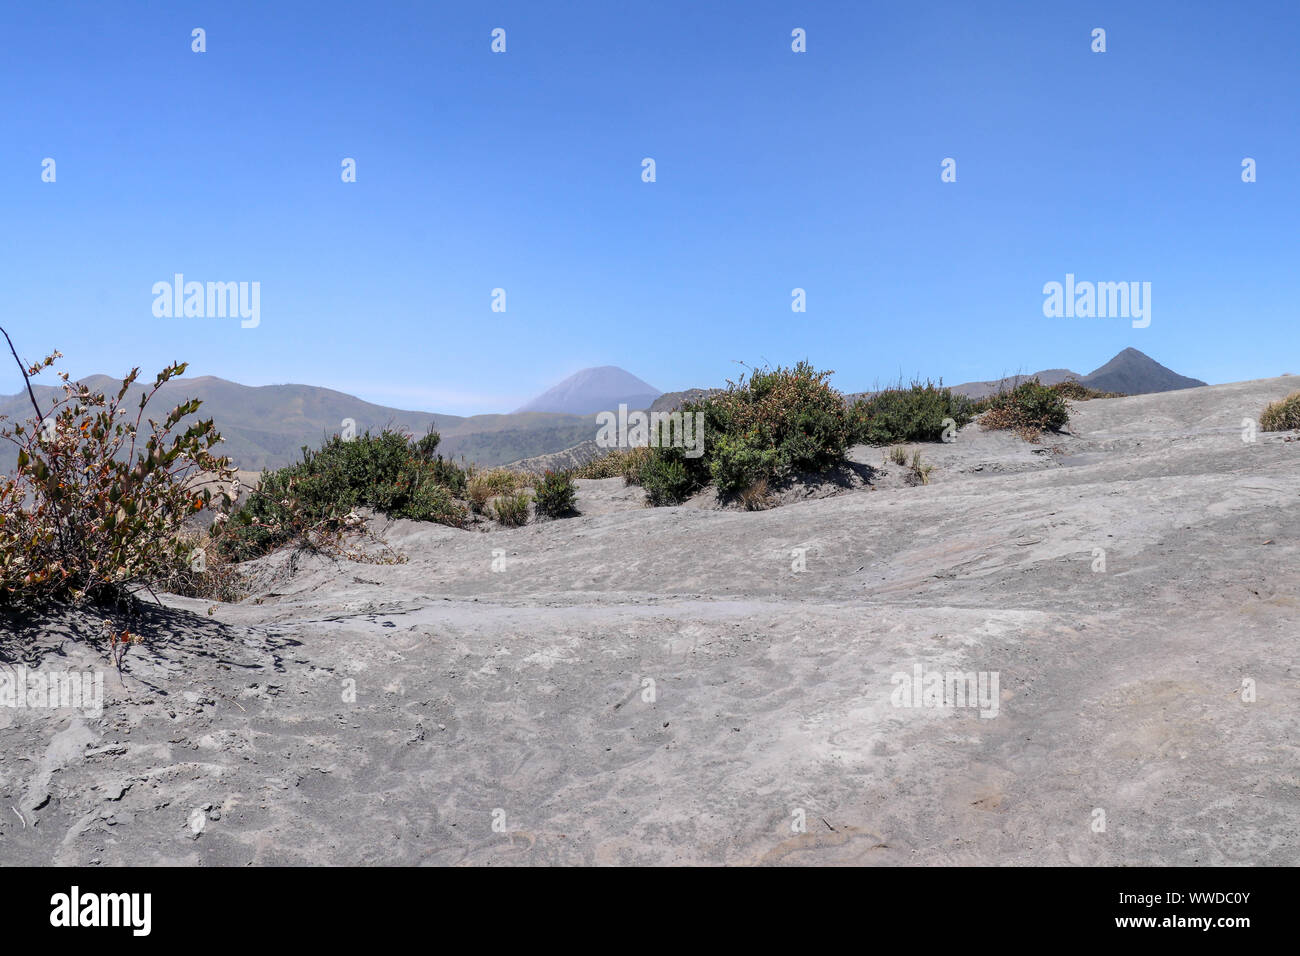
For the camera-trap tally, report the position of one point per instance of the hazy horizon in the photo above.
(146, 375)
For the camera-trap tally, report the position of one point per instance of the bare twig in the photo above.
(30, 394)
(40, 419)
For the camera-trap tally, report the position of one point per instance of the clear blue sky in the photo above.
(523, 171)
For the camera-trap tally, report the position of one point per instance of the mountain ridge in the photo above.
(1130, 371)
(1136, 373)
(266, 426)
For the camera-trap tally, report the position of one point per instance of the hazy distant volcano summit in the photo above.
(594, 390)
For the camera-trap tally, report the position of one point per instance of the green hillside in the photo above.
(266, 426)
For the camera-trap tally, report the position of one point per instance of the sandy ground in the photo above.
(662, 686)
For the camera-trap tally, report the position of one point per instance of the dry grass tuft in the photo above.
(486, 485)
(920, 470)
(757, 497)
(511, 510)
(1282, 415)
(1074, 391)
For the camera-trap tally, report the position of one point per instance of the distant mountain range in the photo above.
(1048, 376)
(594, 390)
(1131, 372)
(267, 426)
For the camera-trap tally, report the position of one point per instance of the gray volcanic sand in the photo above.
(659, 686)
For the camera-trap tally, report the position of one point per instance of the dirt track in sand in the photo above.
(520, 697)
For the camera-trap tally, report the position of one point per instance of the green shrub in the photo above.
(426, 447)
(665, 479)
(1281, 415)
(738, 462)
(1070, 390)
(777, 422)
(511, 509)
(912, 414)
(793, 411)
(1029, 409)
(96, 506)
(555, 495)
(430, 501)
(447, 473)
(316, 495)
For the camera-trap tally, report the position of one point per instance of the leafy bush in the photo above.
(665, 480)
(1029, 409)
(793, 411)
(555, 495)
(447, 473)
(443, 471)
(1070, 390)
(427, 445)
(738, 462)
(1281, 415)
(912, 414)
(428, 500)
(512, 509)
(778, 422)
(317, 497)
(96, 507)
